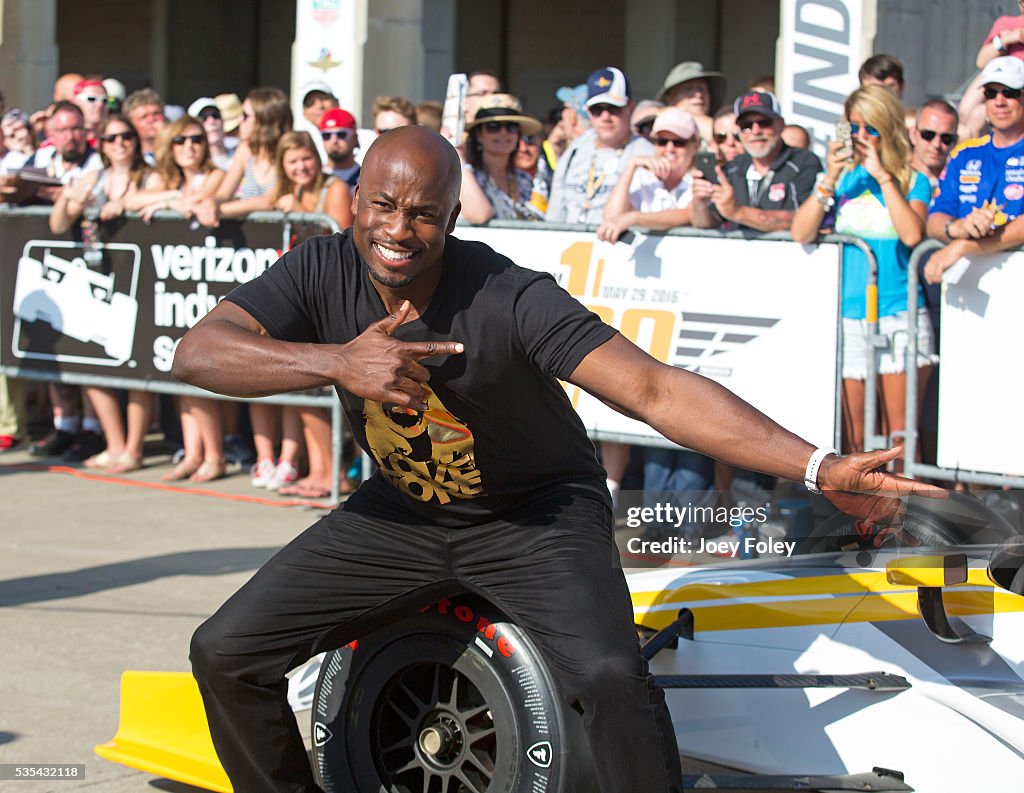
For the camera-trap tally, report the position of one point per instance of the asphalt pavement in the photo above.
(103, 574)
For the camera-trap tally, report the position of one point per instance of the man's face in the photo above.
(67, 131)
(148, 120)
(889, 82)
(479, 86)
(339, 143)
(1003, 107)
(726, 141)
(760, 135)
(611, 123)
(389, 119)
(693, 96)
(316, 111)
(213, 123)
(937, 125)
(405, 204)
(93, 102)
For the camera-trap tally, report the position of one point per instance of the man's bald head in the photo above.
(421, 153)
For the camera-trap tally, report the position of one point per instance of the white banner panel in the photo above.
(328, 48)
(822, 44)
(758, 316)
(980, 377)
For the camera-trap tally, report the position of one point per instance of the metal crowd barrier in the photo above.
(911, 467)
(329, 400)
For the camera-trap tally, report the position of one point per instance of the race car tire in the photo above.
(455, 699)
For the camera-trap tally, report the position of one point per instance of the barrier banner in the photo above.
(979, 383)
(758, 316)
(118, 306)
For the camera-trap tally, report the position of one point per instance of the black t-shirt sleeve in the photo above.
(556, 331)
(282, 298)
(803, 184)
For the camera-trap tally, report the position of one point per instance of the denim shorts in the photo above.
(892, 356)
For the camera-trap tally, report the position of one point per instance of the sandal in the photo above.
(101, 460)
(208, 471)
(304, 489)
(123, 464)
(182, 470)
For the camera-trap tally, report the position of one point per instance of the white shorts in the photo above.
(892, 356)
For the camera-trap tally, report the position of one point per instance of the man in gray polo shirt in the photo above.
(590, 167)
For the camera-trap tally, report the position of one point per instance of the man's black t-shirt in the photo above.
(500, 428)
(787, 184)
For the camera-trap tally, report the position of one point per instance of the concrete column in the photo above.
(28, 52)
(651, 31)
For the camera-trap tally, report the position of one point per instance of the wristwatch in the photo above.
(811, 474)
(997, 42)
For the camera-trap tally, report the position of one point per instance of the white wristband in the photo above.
(997, 42)
(811, 474)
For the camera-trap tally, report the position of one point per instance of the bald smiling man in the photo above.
(447, 358)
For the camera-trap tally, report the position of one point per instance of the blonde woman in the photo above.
(871, 192)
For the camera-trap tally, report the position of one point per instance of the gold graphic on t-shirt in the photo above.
(428, 456)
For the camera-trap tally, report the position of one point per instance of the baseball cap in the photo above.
(608, 86)
(1007, 70)
(201, 104)
(316, 85)
(677, 121)
(336, 118)
(763, 102)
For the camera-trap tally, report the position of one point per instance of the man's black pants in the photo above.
(551, 565)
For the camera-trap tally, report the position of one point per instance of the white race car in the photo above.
(871, 663)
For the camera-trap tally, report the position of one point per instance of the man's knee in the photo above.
(207, 652)
(608, 674)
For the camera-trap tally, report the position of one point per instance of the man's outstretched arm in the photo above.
(699, 414)
(229, 352)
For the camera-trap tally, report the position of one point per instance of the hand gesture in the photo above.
(872, 163)
(286, 203)
(979, 224)
(723, 196)
(611, 230)
(940, 261)
(206, 212)
(659, 166)
(112, 209)
(858, 485)
(383, 369)
(837, 158)
(700, 188)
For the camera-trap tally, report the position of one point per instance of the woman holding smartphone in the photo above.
(869, 191)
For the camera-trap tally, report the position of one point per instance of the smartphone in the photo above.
(705, 162)
(844, 136)
(453, 116)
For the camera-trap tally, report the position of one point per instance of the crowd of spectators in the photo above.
(601, 156)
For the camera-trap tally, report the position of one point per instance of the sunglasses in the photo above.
(1009, 93)
(344, 134)
(599, 110)
(947, 138)
(209, 114)
(644, 127)
(498, 126)
(662, 142)
(530, 140)
(874, 133)
(722, 137)
(246, 116)
(195, 140)
(92, 99)
(762, 124)
(126, 137)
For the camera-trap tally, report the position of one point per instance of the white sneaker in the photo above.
(262, 473)
(284, 474)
